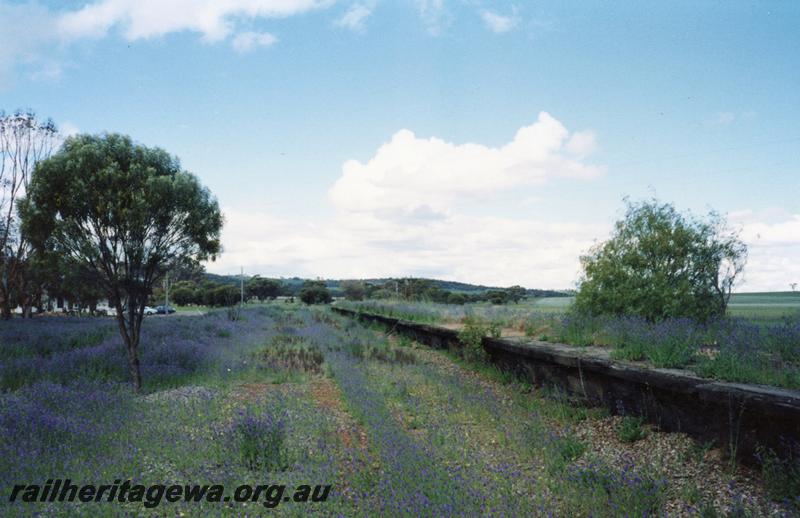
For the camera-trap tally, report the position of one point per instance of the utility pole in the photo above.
(241, 302)
(166, 292)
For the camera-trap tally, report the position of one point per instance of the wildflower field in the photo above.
(757, 342)
(299, 396)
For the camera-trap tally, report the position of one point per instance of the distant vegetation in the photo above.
(199, 288)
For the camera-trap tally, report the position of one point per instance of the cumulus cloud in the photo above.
(499, 23)
(355, 16)
(424, 207)
(408, 211)
(410, 174)
(247, 41)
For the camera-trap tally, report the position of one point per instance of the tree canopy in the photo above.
(126, 212)
(660, 263)
(315, 292)
(263, 288)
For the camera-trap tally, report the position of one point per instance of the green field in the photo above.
(766, 305)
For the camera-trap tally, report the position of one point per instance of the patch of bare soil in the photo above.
(327, 395)
(183, 394)
(452, 325)
(249, 392)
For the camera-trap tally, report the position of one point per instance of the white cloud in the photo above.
(355, 17)
(214, 19)
(410, 174)
(67, 129)
(26, 32)
(433, 15)
(773, 240)
(424, 207)
(499, 23)
(407, 211)
(34, 37)
(480, 249)
(247, 41)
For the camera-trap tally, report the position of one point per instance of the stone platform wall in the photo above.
(737, 417)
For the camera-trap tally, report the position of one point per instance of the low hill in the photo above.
(293, 285)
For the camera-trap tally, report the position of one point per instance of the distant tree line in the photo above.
(413, 289)
(215, 290)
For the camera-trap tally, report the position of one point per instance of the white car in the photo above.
(149, 311)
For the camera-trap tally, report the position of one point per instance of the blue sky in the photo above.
(488, 142)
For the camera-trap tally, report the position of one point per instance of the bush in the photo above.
(631, 429)
(781, 475)
(315, 292)
(660, 263)
(471, 337)
(260, 440)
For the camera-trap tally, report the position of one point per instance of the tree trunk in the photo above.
(133, 365)
(130, 336)
(5, 309)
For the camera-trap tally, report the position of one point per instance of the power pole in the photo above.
(241, 302)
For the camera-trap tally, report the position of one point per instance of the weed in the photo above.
(471, 336)
(631, 429)
(260, 440)
(781, 475)
(561, 450)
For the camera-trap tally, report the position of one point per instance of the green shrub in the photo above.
(631, 429)
(560, 451)
(471, 337)
(315, 292)
(660, 263)
(781, 475)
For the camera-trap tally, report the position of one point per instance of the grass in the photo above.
(759, 342)
(631, 429)
(295, 396)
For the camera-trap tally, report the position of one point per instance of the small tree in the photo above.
(125, 212)
(315, 292)
(184, 293)
(457, 298)
(225, 295)
(660, 263)
(353, 290)
(497, 296)
(262, 288)
(516, 293)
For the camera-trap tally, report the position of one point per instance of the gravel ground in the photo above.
(694, 473)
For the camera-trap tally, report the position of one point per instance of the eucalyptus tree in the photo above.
(25, 140)
(127, 213)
